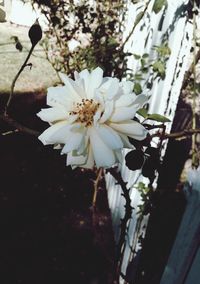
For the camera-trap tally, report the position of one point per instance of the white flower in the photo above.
(91, 118)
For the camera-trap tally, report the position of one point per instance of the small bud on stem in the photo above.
(35, 33)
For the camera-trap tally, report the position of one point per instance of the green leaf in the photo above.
(158, 117)
(138, 17)
(137, 88)
(159, 67)
(137, 56)
(138, 77)
(163, 50)
(142, 112)
(158, 4)
(145, 55)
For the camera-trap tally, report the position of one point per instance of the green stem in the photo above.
(96, 183)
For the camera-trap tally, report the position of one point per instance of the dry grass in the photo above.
(38, 78)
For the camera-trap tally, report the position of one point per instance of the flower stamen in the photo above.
(86, 110)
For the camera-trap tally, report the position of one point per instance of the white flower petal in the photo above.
(123, 113)
(97, 116)
(119, 156)
(78, 86)
(109, 89)
(130, 128)
(59, 96)
(73, 142)
(75, 160)
(103, 155)
(45, 137)
(63, 134)
(96, 78)
(109, 137)
(90, 160)
(81, 150)
(85, 75)
(53, 114)
(57, 147)
(125, 141)
(141, 100)
(69, 86)
(125, 100)
(127, 87)
(107, 111)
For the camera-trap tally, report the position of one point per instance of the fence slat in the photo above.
(186, 243)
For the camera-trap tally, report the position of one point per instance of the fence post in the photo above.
(187, 242)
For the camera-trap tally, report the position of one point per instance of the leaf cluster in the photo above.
(95, 29)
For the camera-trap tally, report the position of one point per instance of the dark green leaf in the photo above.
(158, 4)
(138, 17)
(145, 55)
(142, 112)
(137, 88)
(159, 67)
(158, 117)
(137, 56)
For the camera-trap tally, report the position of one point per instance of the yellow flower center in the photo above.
(86, 111)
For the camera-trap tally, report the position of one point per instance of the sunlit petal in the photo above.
(73, 142)
(89, 164)
(74, 160)
(68, 83)
(130, 128)
(141, 100)
(85, 75)
(109, 136)
(45, 137)
(96, 77)
(108, 109)
(125, 100)
(103, 155)
(123, 113)
(59, 96)
(53, 114)
(127, 87)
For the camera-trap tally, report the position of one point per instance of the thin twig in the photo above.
(181, 134)
(96, 183)
(134, 26)
(10, 121)
(15, 79)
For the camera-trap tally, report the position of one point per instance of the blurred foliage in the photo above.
(85, 34)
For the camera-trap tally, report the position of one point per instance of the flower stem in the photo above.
(15, 79)
(96, 182)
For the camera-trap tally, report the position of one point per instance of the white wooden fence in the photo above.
(153, 30)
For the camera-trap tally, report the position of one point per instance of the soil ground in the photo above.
(47, 235)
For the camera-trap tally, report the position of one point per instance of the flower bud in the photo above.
(35, 33)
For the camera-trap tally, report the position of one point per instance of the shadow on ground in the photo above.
(47, 235)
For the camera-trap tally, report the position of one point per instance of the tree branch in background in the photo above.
(182, 134)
